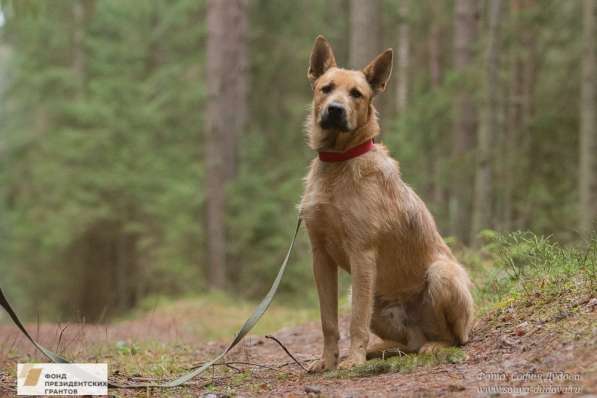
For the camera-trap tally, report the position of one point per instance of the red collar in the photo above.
(349, 154)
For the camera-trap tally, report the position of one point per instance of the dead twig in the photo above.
(237, 370)
(287, 352)
(292, 362)
(62, 330)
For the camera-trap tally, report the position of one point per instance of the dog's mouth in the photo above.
(337, 125)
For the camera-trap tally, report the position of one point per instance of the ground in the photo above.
(536, 332)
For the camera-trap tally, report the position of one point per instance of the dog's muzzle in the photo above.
(334, 117)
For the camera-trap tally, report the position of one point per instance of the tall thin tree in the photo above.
(365, 32)
(402, 80)
(517, 137)
(488, 131)
(588, 127)
(438, 150)
(224, 118)
(465, 119)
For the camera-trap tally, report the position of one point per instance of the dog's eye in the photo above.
(354, 93)
(327, 89)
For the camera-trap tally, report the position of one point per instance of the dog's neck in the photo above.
(336, 141)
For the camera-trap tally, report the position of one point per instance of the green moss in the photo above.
(401, 364)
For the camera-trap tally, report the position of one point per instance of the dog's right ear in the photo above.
(322, 59)
(379, 70)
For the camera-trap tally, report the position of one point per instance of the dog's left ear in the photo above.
(379, 70)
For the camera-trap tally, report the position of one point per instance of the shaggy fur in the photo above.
(407, 287)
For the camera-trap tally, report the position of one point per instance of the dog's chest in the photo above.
(327, 225)
(322, 213)
(327, 202)
(334, 215)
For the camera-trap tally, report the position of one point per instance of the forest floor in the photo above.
(536, 333)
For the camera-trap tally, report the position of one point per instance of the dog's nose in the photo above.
(336, 111)
(334, 117)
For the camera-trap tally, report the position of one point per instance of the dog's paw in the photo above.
(320, 366)
(433, 347)
(352, 361)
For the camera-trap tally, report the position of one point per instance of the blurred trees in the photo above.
(120, 133)
(100, 168)
(588, 120)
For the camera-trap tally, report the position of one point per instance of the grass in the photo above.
(214, 316)
(217, 316)
(522, 267)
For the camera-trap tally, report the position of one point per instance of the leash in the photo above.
(246, 328)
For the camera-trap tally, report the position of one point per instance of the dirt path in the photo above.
(510, 349)
(503, 352)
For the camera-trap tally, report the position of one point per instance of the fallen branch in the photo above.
(287, 352)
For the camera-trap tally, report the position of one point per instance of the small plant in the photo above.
(126, 349)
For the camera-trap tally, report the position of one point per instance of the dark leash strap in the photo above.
(247, 326)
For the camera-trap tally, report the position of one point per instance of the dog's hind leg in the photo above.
(451, 303)
(390, 323)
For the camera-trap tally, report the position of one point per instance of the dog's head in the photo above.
(342, 99)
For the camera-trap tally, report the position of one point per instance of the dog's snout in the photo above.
(336, 110)
(334, 117)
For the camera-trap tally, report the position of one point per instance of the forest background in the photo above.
(156, 148)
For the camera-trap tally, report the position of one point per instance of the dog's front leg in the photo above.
(326, 278)
(362, 269)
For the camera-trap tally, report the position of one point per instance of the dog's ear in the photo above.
(379, 70)
(322, 59)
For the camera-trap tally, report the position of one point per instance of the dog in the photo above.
(407, 286)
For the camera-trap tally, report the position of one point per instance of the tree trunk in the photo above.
(403, 57)
(517, 136)
(435, 44)
(366, 40)
(465, 120)
(82, 12)
(225, 117)
(439, 191)
(488, 132)
(588, 127)
(365, 32)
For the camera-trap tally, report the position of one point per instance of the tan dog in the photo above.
(407, 287)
